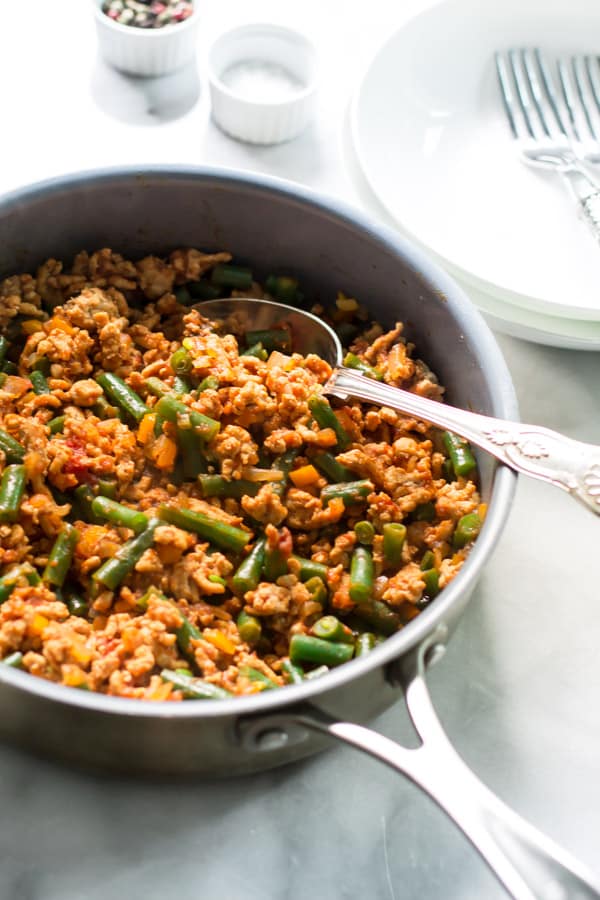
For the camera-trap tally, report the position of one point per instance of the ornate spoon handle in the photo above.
(530, 449)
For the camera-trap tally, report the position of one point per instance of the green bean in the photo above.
(316, 673)
(394, 536)
(305, 648)
(122, 395)
(42, 364)
(247, 575)
(119, 514)
(448, 470)
(57, 425)
(12, 488)
(364, 643)
(217, 486)
(362, 575)
(350, 492)
(310, 569)
(258, 677)
(142, 602)
(379, 616)
(249, 628)
(293, 673)
(459, 452)
(12, 449)
(8, 582)
(256, 350)
(115, 570)
(427, 561)
(14, 660)
(174, 411)
(365, 533)
(61, 556)
(467, 529)
(230, 276)
(157, 387)
(270, 339)
(352, 361)
(331, 468)
(283, 287)
(107, 488)
(283, 464)
(39, 383)
(186, 633)
(84, 498)
(210, 383)
(203, 290)
(326, 418)
(317, 590)
(105, 410)
(3, 377)
(213, 530)
(4, 346)
(424, 512)
(181, 386)
(76, 605)
(192, 457)
(194, 688)
(10, 368)
(181, 361)
(275, 563)
(329, 628)
(432, 582)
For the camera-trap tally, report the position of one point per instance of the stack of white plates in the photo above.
(430, 139)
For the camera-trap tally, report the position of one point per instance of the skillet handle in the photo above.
(527, 863)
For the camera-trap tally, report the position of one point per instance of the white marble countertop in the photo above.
(519, 688)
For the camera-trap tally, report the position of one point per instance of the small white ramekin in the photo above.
(263, 121)
(146, 51)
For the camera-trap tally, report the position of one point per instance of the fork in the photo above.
(548, 131)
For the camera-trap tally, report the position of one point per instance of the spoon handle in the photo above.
(530, 449)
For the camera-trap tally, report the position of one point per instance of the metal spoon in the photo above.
(529, 449)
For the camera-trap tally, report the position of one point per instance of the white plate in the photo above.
(431, 138)
(552, 331)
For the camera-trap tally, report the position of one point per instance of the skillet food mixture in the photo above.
(183, 514)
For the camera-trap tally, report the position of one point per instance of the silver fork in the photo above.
(547, 127)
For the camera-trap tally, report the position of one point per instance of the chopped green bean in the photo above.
(331, 468)
(194, 688)
(329, 628)
(107, 488)
(350, 492)
(119, 514)
(270, 339)
(84, 497)
(122, 395)
(310, 569)
(20, 572)
(459, 451)
(76, 605)
(9, 368)
(362, 575)
(191, 445)
(157, 387)
(394, 536)
(283, 464)
(14, 660)
(181, 361)
(12, 449)
(42, 364)
(293, 673)
(258, 677)
(305, 648)
(427, 561)
(432, 582)
(247, 576)
(210, 383)
(217, 486)
(317, 673)
(364, 643)
(115, 570)
(365, 533)
(186, 633)
(181, 386)
(256, 350)
(175, 411)
(57, 424)
(203, 290)
(61, 556)
(213, 530)
(283, 287)
(249, 628)
(142, 602)
(12, 488)
(326, 418)
(105, 410)
(276, 562)
(317, 590)
(379, 616)
(39, 383)
(352, 361)
(238, 277)
(467, 529)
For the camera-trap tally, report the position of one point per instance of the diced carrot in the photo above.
(482, 510)
(58, 324)
(146, 428)
(161, 692)
(219, 640)
(88, 543)
(37, 625)
(163, 452)
(73, 676)
(304, 476)
(326, 437)
(30, 326)
(281, 360)
(80, 653)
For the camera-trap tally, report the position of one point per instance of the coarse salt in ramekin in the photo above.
(146, 51)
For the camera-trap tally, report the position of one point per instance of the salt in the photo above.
(261, 81)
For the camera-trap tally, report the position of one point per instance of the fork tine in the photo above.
(522, 91)
(506, 92)
(550, 90)
(534, 88)
(567, 92)
(591, 65)
(576, 65)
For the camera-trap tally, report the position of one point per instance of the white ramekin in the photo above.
(259, 121)
(146, 51)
